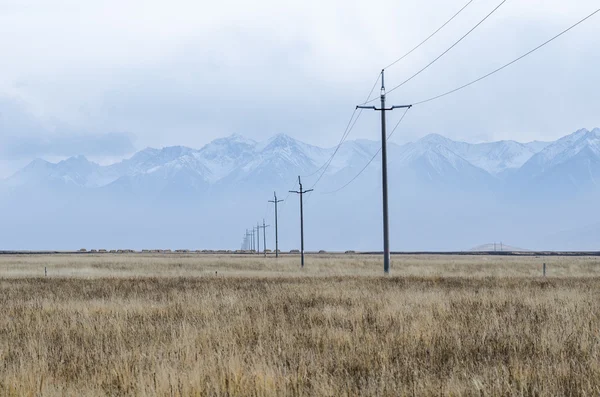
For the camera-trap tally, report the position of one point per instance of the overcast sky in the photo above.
(104, 78)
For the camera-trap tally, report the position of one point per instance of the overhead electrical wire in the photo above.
(347, 131)
(287, 196)
(341, 141)
(349, 128)
(446, 51)
(372, 158)
(508, 64)
(350, 125)
(469, 84)
(430, 36)
(421, 43)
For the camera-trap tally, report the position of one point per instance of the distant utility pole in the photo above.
(264, 228)
(301, 193)
(253, 240)
(247, 240)
(276, 236)
(386, 225)
(257, 237)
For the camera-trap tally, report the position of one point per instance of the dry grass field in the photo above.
(167, 325)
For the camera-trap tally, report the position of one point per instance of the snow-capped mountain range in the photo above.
(434, 176)
(236, 159)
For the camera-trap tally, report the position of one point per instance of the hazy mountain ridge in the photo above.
(444, 195)
(235, 158)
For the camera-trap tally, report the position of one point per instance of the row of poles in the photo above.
(252, 238)
(255, 241)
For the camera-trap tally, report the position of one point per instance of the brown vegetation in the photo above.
(271, 334)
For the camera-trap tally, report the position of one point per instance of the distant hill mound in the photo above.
(497, 247)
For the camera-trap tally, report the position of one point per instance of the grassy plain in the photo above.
(168, 325)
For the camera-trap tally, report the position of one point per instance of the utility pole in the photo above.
(276, 235)
(264, 228)
(386, 225)
(301, 193)
(257, 238)
(253, 240)
(248, 240)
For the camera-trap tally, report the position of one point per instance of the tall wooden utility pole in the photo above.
(257, 238)
(301, 193)
(276, 232)
(386, 225)
(264, 228)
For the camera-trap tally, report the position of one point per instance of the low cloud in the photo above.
(24, 135)
(99, 145)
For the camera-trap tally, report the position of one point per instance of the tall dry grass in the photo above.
(197, 265)
(301, 336)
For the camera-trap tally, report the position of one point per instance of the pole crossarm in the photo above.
(386, 109)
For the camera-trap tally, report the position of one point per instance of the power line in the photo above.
(285, 200)
(429, 37)
(447, 51)
(372, 158)
(450, 48)
(331, 159)
(510, 63)
(341, 140)
(350, 125)
(349, 128)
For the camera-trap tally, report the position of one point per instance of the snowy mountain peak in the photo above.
(75, 161)
(38, 164)
(281, 141)
(436, 139)
(174, 151)
(233, 140)
(235, 159)
(571, 162)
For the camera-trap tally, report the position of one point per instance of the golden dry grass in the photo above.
(198, 265)
(136, 326)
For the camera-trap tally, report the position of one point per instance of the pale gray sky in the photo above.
(90, 76)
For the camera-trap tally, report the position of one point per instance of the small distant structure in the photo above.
(182, 251)
(83, 250)
(113, 251)
(93, 251)
(322, 252)
(350, 252)
(497, 247)
(102, 251)
(294, 251)
(268, 251)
